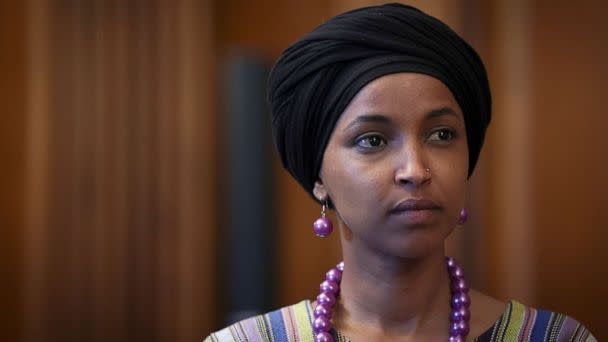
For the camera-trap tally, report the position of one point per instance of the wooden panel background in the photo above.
(120, 184)
(570, 158)
(12, 166)
(509, 271)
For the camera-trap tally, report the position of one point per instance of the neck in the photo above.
(393, 295)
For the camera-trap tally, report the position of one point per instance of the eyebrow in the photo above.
(440, 112)
(377, 118)
(368, 118)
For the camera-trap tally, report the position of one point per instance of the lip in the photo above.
(414, 212)
(414, 204)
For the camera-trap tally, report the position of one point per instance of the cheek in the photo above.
(456, 160)
(352, 186)
(453, 181)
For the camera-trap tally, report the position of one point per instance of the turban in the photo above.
(314, 80)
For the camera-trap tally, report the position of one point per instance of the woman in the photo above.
(380, 113)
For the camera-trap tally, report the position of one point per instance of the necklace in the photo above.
(330, 289)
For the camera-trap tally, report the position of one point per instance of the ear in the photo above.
(320, 191)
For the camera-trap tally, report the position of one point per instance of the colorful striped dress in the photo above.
(518, 323)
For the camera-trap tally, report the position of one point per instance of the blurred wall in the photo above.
(110, 182)
(12, 166)
(570, 158)
(120, 177)
(545, 160)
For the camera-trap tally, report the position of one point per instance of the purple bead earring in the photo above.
(322, 226)
(464, 215)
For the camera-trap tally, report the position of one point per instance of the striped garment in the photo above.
(518, 323)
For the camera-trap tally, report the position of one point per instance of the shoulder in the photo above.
(523, 323)
(294, 320)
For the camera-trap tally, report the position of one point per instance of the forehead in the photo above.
(405, 94)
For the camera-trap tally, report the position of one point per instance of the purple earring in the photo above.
(322, 226)
(464, 215)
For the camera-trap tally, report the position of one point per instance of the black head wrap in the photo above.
(315, 79)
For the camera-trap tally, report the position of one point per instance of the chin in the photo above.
(414, 245)
(409, 248)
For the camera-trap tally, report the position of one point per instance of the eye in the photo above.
(442, 135)
(371, 141)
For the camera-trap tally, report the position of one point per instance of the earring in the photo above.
(464, 215)
(322, 226)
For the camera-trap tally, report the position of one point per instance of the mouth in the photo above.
(416, 211)
(413, 204)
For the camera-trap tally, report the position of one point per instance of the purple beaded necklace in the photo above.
(330, 288)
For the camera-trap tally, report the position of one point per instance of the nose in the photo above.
(411, 169)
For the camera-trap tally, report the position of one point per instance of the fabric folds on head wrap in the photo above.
(315, 79)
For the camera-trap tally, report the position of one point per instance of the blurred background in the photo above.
(141, 199)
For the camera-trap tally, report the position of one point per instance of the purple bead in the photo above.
(464, 330)
(460, 285)
(455, 329)
(326, 299)
(334, 275)
(460, 300)
(457, 338)
(460, 314)
(340, 266)
(323, 227)
(322, 310)
(329, 286)
(456, 272)
(464, 216)
(324, 336)
(451, 262)
(459, 328)
(321, 324)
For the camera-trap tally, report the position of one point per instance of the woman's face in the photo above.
(376, 165)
